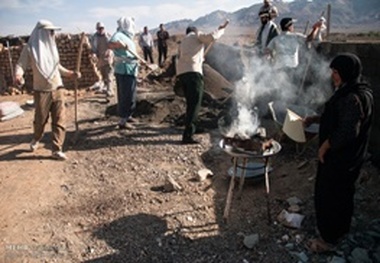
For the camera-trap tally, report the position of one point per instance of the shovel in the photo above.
(152, 67)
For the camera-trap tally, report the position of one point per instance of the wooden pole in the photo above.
(306, 27)
(152, 67)
(267, 186)
(230, 192)
(10, 62)
(77, 69)
(225, 24)
(308, 63)
(328, 21)
(242, 176)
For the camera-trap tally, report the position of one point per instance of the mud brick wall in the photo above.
(68, 46)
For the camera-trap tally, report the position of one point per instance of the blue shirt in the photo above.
(124, 62)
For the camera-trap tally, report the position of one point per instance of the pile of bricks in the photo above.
(68, 47)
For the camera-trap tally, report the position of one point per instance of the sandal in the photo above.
(317, 245)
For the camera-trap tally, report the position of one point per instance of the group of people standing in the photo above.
(103, 56)
(344, 125)
(146, 43)
(282, 48)
(113, 55)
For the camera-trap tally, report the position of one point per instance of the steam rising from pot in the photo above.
(262, 84)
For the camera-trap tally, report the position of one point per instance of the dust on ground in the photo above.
(108, 202)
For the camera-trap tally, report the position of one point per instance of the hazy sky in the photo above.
(19, 17)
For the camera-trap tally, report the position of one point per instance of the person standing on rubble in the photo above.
(266, 33)
(146, 44)
(343, 141)
(284, 51)
(102, 56)
(41, 54)
(285, 47)
(268, 7)
(162, 37)
(190, 74)
(126, 69)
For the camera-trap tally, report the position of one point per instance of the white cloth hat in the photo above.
(44, 49)
(45, 24)
(127, 25)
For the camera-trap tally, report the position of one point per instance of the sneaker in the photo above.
(132, 120)
(34, 145)
(126, 126)
(122, 122)
(59, 155)
(101, 91)
(109, 94)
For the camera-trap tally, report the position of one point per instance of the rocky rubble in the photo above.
(124, 209)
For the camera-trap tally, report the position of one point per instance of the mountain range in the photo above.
(346, 15)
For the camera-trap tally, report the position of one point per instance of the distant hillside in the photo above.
(345, 15)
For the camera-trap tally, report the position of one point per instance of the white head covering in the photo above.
(44, 49)
(127, 25)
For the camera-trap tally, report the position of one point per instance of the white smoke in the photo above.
(262, 84)
(245, 124)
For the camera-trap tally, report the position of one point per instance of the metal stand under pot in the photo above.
(241, 156)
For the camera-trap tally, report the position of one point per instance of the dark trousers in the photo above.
(148, 53)
(126, 94)
(334, 200)
(193, 86)
(162, 53)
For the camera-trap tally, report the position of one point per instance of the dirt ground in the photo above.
(108, 202)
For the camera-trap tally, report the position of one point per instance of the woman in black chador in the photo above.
(344, 135)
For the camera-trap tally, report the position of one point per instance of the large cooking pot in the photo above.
(269, 148)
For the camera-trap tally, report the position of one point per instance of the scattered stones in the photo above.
(292, 220)
(360, 255)
(301, 256)
(171, 185)
(285, 238)
(251, 240)
(203, 174)
(302, 164)
(336, 259)
(299, 238)
(65, 188)
(294, 208)
(289, 246)
(294, 201)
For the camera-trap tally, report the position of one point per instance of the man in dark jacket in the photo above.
(162, 37)
(344, 136)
